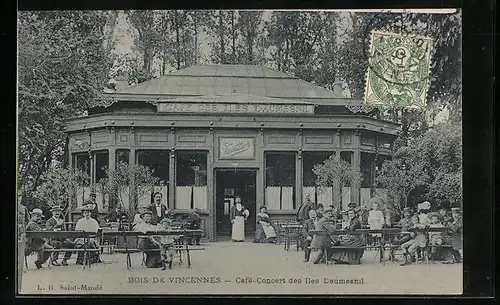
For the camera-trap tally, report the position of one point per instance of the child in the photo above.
(418, 240)
(435, 238)
(166, 244)
(376, 220)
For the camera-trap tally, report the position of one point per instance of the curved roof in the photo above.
(213, 80)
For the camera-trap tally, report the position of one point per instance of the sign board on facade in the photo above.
(235, 108)
(236, 148)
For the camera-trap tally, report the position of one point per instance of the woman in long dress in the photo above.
(238, 216)
(264, 232)
(350, 256)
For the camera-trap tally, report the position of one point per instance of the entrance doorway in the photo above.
(229, 184)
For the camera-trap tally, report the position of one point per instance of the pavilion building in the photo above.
(214, 132)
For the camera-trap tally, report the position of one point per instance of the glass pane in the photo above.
(158, 161)
(191, 168)
(309, 160)
(122, 155)
(101, 164)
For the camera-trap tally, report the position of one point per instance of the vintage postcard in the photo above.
(240, 152)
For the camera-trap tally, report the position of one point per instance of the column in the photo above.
(337, 190)
(112, 149)
(211, 188)
(356, 163)
(171, 180)
(261, 174)
(131, 161)
(298, 178)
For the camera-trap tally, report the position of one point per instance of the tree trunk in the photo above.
(195, 22)
(233, 34)
(221, 38)
(177, 40)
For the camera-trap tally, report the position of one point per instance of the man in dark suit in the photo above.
(323, 242)
(37, 244)
(193, 222)
(303, 211)
(116, 215)
(309, 225)
(55, 223)
(158, 210)
(95, 211)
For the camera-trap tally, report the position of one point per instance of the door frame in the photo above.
(255, 170)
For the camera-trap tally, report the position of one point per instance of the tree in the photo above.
(218, 24)
(146, 24)
(432, 163)
(248, 26)
(126, 181)
(60, 188)
(294, 38)
(335, 170)
(63, 66)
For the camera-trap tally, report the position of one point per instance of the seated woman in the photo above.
(350, 256)
(264, 232)
(145, 243)
(87, 224)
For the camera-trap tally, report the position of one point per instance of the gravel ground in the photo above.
(244, 268)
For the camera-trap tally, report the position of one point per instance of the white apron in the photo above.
(268, 230)
(238, 232)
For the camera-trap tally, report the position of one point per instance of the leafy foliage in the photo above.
(334, 169)
(432, 163)
(63, 66)
(60, 186)
(126, 180)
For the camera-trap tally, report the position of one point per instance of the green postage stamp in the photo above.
(398, 70)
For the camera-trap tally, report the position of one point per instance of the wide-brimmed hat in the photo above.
(87, 207)
(145, 213)
(37, 212)
(426, 205)
(435, 214)
(238, 199)
(93, 193)
(351, 205)
(456, 209)
(55, 208)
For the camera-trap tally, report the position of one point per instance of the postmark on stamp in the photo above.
(398, 71)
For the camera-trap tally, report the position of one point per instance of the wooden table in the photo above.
(384, 232)
(126, 234)
(86, 236)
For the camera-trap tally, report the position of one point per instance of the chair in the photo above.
(293, 234)
(280, 231)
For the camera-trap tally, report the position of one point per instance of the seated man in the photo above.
(455, 237)
(55, 223)
(405, 223)
(435, 238)
(418, 240)
(145, 243)
(116, 215)
(87, 224)
(37, 244)
(193, 222)
(321, 243)
(309, 225)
